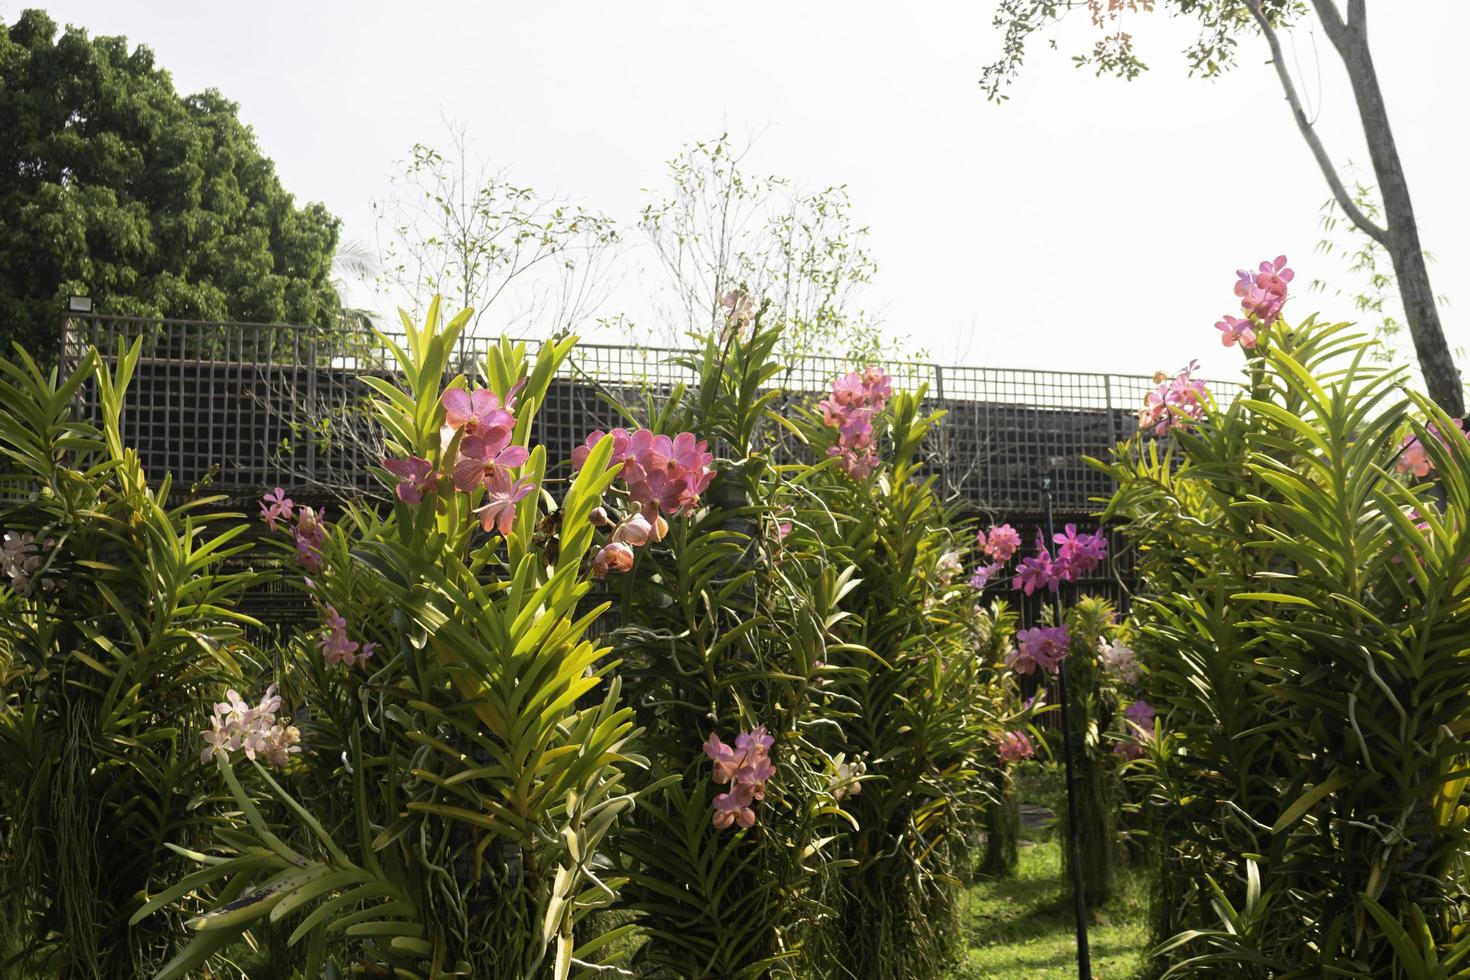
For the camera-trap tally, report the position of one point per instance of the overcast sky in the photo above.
(1086, 224)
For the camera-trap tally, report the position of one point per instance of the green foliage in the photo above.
(1221, 22)
(925, 706)
(1095, 712)
(483, 770)
(115, 632)
(1304, 620)
(727, 626)
(116, 187)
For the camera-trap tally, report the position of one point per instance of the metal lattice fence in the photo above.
(238, 408)
(244, 407)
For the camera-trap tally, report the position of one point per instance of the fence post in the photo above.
(1112, 416)
(312, 412)
(944, 462)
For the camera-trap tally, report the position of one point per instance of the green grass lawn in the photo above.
(1021, 928)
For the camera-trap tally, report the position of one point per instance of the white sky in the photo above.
(1087, 224)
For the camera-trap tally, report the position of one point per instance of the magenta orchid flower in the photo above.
(984, 573)
(1078, 554)
(1037, 572)
(1015, 746)
(1042, 646)
(417, 478)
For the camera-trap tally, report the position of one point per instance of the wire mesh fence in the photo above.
(244, 407)
(238, 408)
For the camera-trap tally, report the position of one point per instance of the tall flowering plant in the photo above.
(455, 754)
(118, 627)
(1301, 616)
(731, 611)
(926, 711)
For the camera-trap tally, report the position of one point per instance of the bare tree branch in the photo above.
(1309, 133)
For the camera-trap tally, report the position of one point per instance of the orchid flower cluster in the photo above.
(1262, 295)
(1015, 746)
(1138, 724)
(1041, 646)
(855, 399)
(1077, 554)
(1176, 403)
(1414, 458)
(484, 426)
(1119, 661)
(664, 477)
(21, 558)
(746, 768)
(336, 646)
(308, 527)
(256, 731)
(739, 307)
(949, 567)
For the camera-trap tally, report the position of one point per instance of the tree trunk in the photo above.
(1440, 375)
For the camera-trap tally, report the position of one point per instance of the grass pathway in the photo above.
(1021, 928)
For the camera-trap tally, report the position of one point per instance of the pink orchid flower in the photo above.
(1000, 543)
(1233, 329)
(1263, 292)
(1015, 746)
(615, 556)
(501, 496)
(275, 506)
(416, 478)
(1042, 646)
(726, 762)
(735, 807)
(478, 412)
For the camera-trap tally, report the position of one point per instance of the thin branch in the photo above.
(1329, 171)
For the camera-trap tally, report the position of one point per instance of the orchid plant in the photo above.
(118, 627)
(457, 766)
(1302, 622)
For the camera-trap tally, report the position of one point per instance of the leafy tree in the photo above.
(1222, 24)
(114, 186)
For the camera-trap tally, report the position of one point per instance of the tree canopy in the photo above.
(114, 186)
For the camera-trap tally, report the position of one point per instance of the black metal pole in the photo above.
(1079, 900)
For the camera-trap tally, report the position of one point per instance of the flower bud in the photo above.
(634, 531)
(599, 517)
(616, 557)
